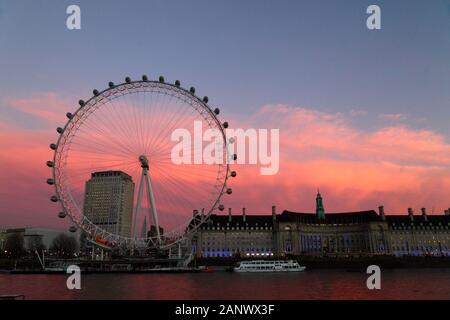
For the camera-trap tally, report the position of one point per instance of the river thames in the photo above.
(312, 284)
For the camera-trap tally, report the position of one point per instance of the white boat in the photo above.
(269, 266)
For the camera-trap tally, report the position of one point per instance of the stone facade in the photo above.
(235, 235)
(340, 234)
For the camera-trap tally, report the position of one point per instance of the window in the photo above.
(288, 246)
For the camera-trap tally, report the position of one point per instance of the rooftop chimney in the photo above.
(381, 210)
(229, 214)
(424, 214)
(411, 214)
(243, 215)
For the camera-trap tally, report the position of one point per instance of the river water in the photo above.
(311, 284)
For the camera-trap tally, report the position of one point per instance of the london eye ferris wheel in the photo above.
(127, 129)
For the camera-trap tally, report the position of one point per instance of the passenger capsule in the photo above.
(69, 115)
(50, 181)
(229, 191)
(233, 174)
(127, 80)
(221, 207)
(81, 103)
(59, 130)
(144, 78)
(161, 79)
(73, 229)
(111, 84)
(234, 156)
(53, 146)
(205, 99)
(54, 198)
(177, 83)
(216, 110)
(192, 90)
(50, 164)
(62, 215)
(225, 125)
(95, 92)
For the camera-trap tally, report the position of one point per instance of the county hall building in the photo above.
(320, 233)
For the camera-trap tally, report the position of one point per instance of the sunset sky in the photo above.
(364, 116)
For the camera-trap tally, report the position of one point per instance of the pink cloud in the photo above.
(24, 194)
(48, 106)
(397, 166)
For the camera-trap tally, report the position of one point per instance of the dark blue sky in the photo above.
(241, 53)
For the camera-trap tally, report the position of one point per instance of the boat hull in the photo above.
(266, 271)
(269, 266)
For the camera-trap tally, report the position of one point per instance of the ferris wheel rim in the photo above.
(196, 221)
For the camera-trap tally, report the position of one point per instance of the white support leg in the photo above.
(138, 208)
(152, 204)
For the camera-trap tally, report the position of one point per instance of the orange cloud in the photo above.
(397, 166)
(48, 107)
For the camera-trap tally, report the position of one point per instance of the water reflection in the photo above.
(313, 284)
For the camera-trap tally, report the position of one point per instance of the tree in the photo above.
(14, 246)
(64, 246)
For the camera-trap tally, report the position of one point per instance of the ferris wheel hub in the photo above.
(144, 161)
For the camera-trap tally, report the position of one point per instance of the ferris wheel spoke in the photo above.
(169, 177)
(165, 159)
(163, 134)
(74, 165)
(127, 114)
(142, 120)
(82, 154)
(147, 118)
(120, 124)
(153, 117)
(196, 191)
(172, 202)
(115, 134)
(176, 182)
(110, 134)
(169, 127)
(104, 123)
(177, 124)
(165, 152)
(134, 120)
(80, 175)
(198, 173)
(160, 122)
(119, 120)
(101, 144)
(82, 159)
(139, 117)
(85, 144)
